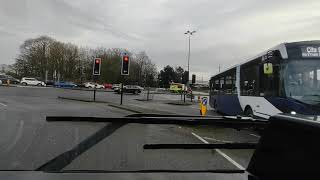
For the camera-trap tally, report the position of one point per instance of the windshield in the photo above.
(112, 59)
(302, 80)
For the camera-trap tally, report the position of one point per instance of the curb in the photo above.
(124, 108)
(82, 100)
(180, 103)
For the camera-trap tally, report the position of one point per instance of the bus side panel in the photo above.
(260, 106)
(288, 104)
(229, 105)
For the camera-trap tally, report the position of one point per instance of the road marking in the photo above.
(255, 135)
(220, 152)
(32, 87)
(3, 104)
(213, 139)
(18, 135)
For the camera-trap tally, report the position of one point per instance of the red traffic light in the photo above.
(126, 58)
(98, 61)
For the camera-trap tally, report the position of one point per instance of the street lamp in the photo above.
(189, 33)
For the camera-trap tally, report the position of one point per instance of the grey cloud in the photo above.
(228, 32)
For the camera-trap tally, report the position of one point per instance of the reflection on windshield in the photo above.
(301, 80)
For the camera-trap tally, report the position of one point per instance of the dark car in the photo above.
(49, 82)
(63, 84)
(130, 89)
(4, 78)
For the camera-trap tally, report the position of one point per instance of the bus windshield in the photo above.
(301, 80)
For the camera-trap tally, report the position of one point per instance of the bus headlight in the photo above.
(293, 112)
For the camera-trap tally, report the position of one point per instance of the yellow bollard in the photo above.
(203, 106)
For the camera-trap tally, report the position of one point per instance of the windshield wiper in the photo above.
(202, 146)
(225, 171)
(64, 159)
(224, 121)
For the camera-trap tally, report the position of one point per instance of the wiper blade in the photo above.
(226, 171)
(162, 115)
(202, 146)
(231, 122)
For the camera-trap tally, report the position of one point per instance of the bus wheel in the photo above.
(248, 111)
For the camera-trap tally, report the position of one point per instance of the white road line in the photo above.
(18, 135)
(213, 139)
(255, 135)
(3, 104)
(220, 152)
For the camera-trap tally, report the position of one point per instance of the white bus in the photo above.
(283, 79)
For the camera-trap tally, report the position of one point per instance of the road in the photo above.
(28, 142)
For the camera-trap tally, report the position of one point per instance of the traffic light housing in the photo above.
(185, 78)
(125, 65)
(96, 66)
(193, 78)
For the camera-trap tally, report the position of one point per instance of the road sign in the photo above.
(96, 66)
(203, 106)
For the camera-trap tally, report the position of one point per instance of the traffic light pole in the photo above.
(94, 88)
(121, 95)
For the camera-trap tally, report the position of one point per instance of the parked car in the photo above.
(4, 78)
(129, 89)
(115, 86)
(108, 86)
(31, 81)
(49, 82)
(65, 84)
(91, 85)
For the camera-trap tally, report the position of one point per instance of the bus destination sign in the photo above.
(310, 51)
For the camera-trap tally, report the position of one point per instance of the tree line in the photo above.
(48, 59)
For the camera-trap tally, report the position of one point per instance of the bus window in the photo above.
(228, 85)
(234, 88)
(222, 85)
(271, 83)
(216, 86)
(249, 78)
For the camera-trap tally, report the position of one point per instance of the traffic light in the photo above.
(96, 66)
(125, 65)
(193, 78)
(185, 78)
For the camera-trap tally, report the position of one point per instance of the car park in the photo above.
(31, 81)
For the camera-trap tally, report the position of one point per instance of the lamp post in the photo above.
(189, 33)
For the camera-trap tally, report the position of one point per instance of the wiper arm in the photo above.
(64, 159)
(230, 122)
(202, 146)
(225, 171)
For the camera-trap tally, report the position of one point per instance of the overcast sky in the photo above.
(228, 32)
